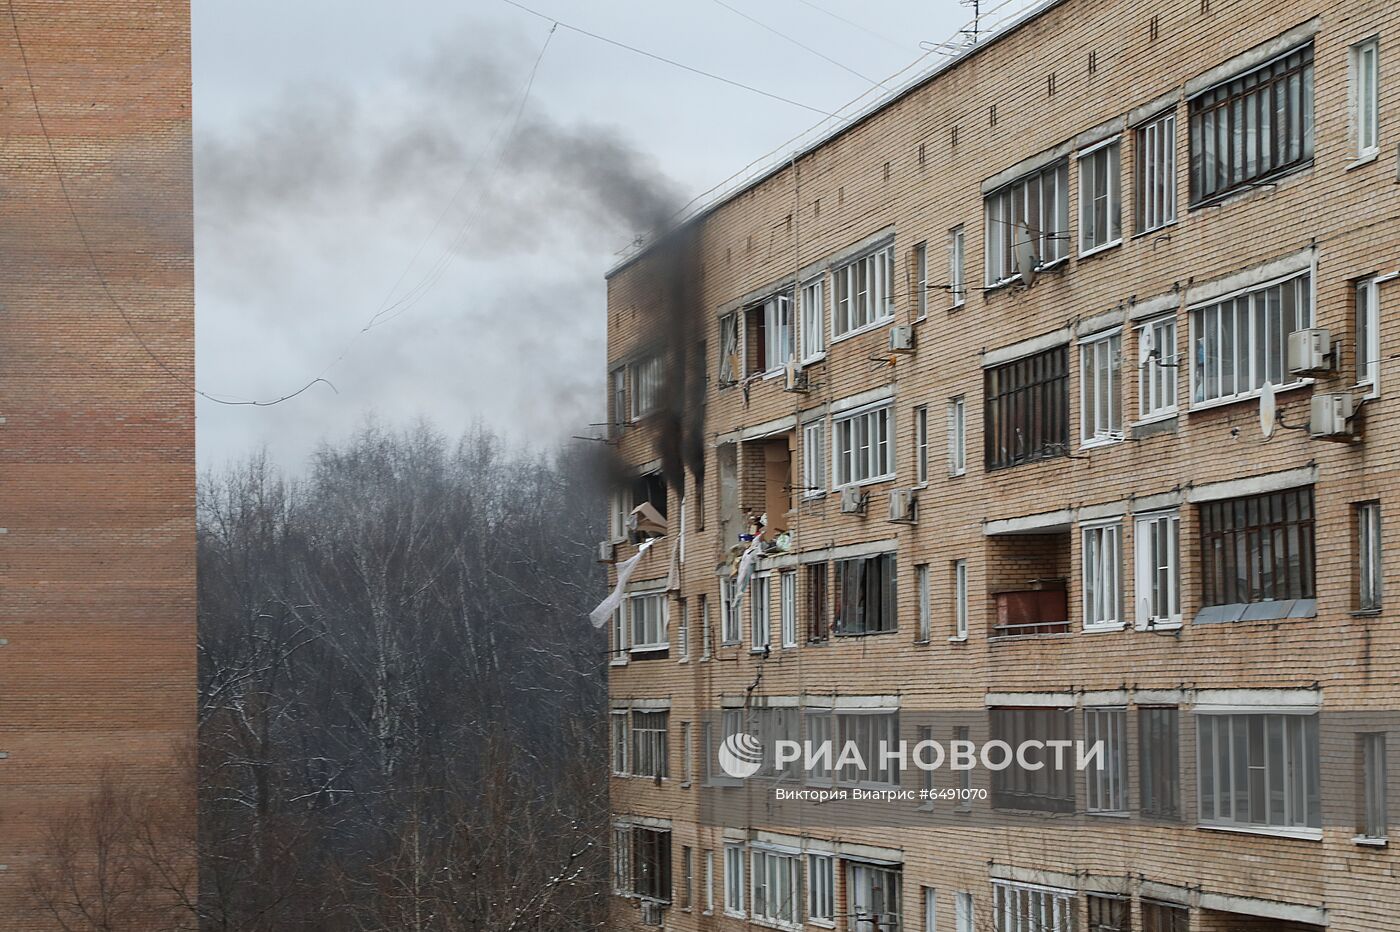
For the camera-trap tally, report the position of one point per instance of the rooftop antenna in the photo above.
(970, 36)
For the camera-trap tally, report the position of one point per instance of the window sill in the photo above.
(1244, 188)
(863, 634)
(862, 483)
(1109, 814)
(813, 360)
(618, 662)
(958, 639)
(821, 923)
(1365, 158)
(993, 287)
(1157, 229)
(1173, 625)
(1370, 841)
(957, 307)
(957, 475)
(1101, 628)
(1095, 250)
(1298, 834)
(1367, 613)
(868, 328)
(1100, 442)
(650, 648)
(1156, 417)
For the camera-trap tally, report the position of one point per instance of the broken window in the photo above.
(728, 349)
(770, 332)
(818, 603)
(865, 595)
(647, 517)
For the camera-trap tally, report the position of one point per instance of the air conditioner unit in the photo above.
(852, 501)
(1310, 351)
(902, 339)
(903, 505)
(653, 913)
(795, 379)
(1330, 415)
(606, 552)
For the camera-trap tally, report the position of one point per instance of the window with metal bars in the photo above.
(1028, 908)
(1163, 917)
(1108, 780)
(649, 756)
(1253, 126)
(1027, 409)
(1259, 770)
(1110, 913)
(1159, 762)
(865, 595)
(1049, 789)
(651, 863)
(1034, 206)
(1258, 548)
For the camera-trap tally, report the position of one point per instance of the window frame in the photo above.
(1228, 97)
(812, 320)
(1107, 153)
(885, 591)
(957, 435)
(999, 245)
(821, 897)
(1039, 900)
(1102, 599)
(1303, 285)
(957, 266)
(1370, 556)
(1366, 294)
(875, 294)
(1101, 349)
(921, 444)
(1159, 759)
(960, 626)
(1156, 175)
(814, 461)
(923, 586)
(1106, 788)
(1206, 762)
(661, 620)
(760, 610)
(731, 355)
(787, 608)
(1148, 569)
(644, 382)
(879, 418)
(1373, 813)
(759, 886)
(1363, 93)
(735, 896)
(620, 721)
(1159, 371)
(920, 262)
(1035, 389)
(650, 745)
(1220, 532)
(731, 619)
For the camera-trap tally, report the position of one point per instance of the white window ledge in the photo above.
(1105, 247)
(1157, 229)
(1156, 417)
(958, 639)
(1370, 841)
(1365, 158)
(1159, 625)
(1097, 442)
(1299, 834)
(1100, 628)
(1246, 396)
(873, 325)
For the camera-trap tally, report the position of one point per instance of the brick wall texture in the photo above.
(97, 472)
(916, 168)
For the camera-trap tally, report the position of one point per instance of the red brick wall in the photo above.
(97, 444)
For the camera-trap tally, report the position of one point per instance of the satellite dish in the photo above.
(1147, 345)
(1268, 410)
(1023, 251)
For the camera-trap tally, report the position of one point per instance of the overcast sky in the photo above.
(357, 159)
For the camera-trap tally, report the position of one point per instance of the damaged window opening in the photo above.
(818, 603)
(767, 482)
(865, 595)
(728, 350)
(647, 515)
(769, 334)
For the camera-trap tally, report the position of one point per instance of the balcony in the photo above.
(1027, 583)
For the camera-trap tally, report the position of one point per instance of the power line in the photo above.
(670, 61)
(806, 48)
(92, 255)
(850, 22)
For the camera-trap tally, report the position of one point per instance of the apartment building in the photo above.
(1058, 389)
(97, 596)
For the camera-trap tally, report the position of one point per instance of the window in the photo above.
(1100, 389)
(734, 880)
(622, 859)
(619, 635)
(1370, 567)
(930, 897)
(865, 595)
(1365, 101)
(1258, 769)
(1159, 762)
(1157, 376)
(687, 755)
(648, 621)
(1373, 821)
(729, 613)
(863, 292)
(814, 459)
(818, 603)
(813, 325)
(1156, 175)
(1368, 337)
(1099, 212)
(1025, 908)
(704, 627)
(925, 615)
(1242, 342)
(873, 897)
(617, 379)
(1258, 548)
(621, 507)
(1109, 913)
(646, 386)
(1027, 409)
(821, 889)
(862, 450)
(651, 863)
(683, 632)
(866, 731)
(1101, 576)
(619, 742)
(709, 881)
(787, 607)
(962, 912)
(758, 613)
(921, 280)
(728, 349)
(777, 884)
(957, 279)
(1036, 205)
(1049, 789)
(1158, 570)
(921, 444)
(770, 326)
(1108, 781)
(960, 599)
(957, 436)
(1252, 127)
(1161, 917)
(649, 744)
(687, 876)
